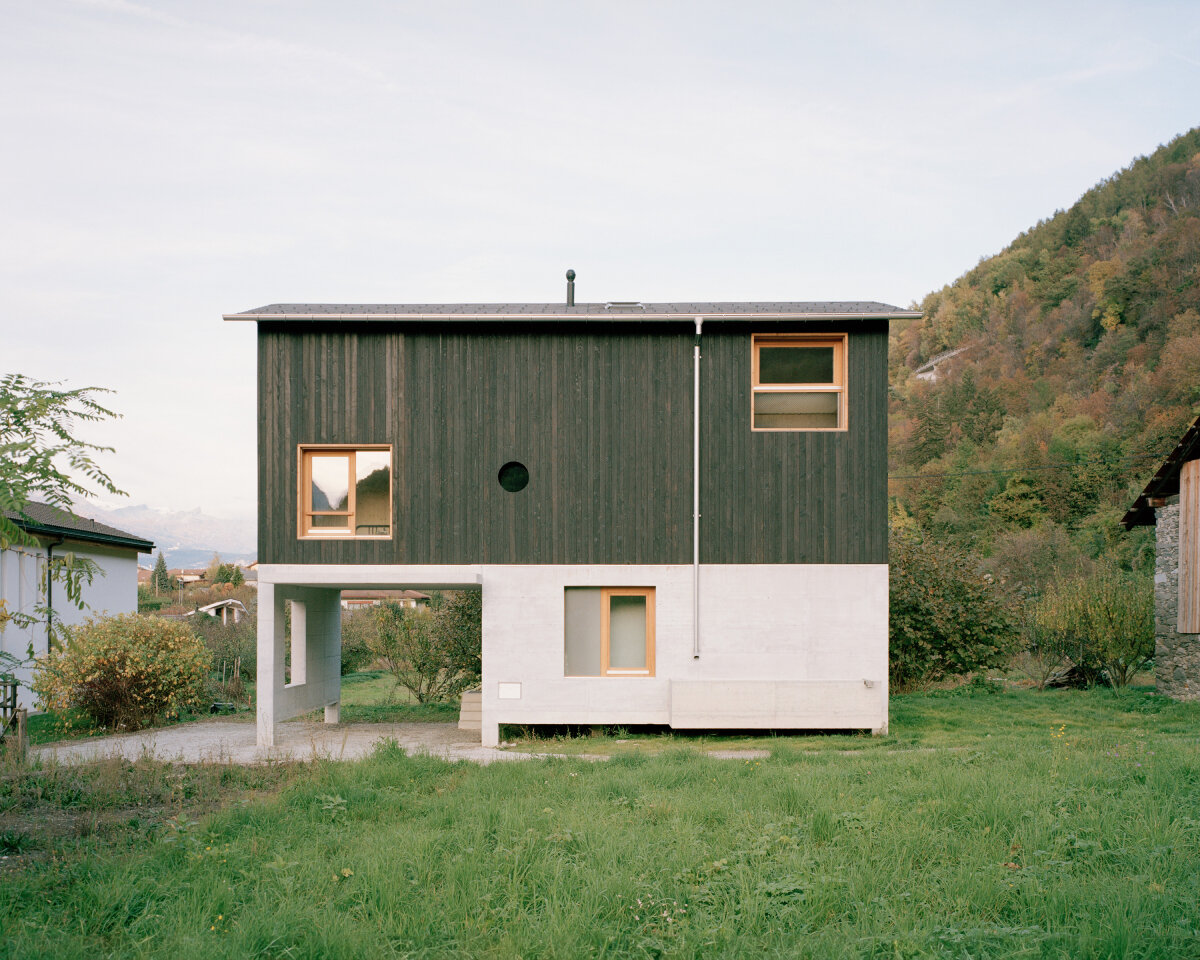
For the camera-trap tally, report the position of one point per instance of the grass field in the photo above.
(985, 825)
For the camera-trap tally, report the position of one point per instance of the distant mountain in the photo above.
(1040, 390)
(187, 538)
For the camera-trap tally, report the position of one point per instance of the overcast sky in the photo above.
(164, 163)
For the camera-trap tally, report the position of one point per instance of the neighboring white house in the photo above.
(358, 599)
(23, 578)
(223, 610)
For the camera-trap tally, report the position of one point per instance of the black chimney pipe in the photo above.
(570, 288)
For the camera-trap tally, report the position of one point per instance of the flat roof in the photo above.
(618, 310)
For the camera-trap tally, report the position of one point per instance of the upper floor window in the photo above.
(345, 491)
(799, 382)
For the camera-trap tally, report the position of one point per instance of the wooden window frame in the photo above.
(839, 385)
(606, 594)
(304, 457)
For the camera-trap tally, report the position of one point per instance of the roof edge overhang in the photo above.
(85, 536)
(687, 318)
(1165, 482)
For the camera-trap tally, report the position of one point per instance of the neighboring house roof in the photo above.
(384, 595)
(210, 608)
(624, 311)
(1165, 483)
(42, 518)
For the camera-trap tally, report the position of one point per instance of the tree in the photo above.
(458, 626)
(160, 578)
(1104, 622)
(42, 459)
(946, 618)
(431, 654)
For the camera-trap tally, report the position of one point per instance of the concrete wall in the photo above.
(1176, 655)
(782, 646)
(112, 591)
(315, 647)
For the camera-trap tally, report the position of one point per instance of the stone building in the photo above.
(1171, 503)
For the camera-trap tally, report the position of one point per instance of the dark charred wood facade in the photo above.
(601, 415)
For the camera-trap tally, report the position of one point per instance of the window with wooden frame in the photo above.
(609, 632)
(345, 491)
(798, 382)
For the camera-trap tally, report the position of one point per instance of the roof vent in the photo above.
(570, 288)
(624, 305)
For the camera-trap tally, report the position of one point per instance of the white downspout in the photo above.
(696, 492)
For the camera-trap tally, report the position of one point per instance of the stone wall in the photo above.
(1176, 655)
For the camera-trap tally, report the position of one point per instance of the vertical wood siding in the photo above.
(1189, 548)
(601, 416)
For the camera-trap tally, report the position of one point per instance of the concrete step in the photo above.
(470, 713)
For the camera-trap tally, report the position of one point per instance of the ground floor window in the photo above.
(609, 632)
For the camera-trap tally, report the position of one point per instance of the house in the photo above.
(226, 611)
(24, 590)
(359, 599)
(602, 473)
(1171, 503)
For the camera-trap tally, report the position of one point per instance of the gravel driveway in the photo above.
(231, 741)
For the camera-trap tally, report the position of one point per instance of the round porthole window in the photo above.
(513, 476)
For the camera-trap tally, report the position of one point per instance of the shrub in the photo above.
(230, 641)
(1103, 622)
(125, 671)
(458, 625)
(360, 634)
(409, 645)
(946, 618)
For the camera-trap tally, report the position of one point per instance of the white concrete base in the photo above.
(781, 646)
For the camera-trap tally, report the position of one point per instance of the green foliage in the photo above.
(1080, 373)
(946, 619)
(148, 602)
(433, 653)
(1103, 622)
(160, 578)
(125, 671)
(458, 624)
(360, 637)
(231, 642)
(406, 645)
(41, 459)
(986, 826)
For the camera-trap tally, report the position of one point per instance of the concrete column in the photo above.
(325, 650)
(489, 725)
(270, 640)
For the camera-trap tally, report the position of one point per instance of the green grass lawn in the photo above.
(985, 825)
(373, 696)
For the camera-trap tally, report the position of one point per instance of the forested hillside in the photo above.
(1081, 368)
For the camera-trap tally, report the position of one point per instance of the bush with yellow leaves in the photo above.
(125, 671)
